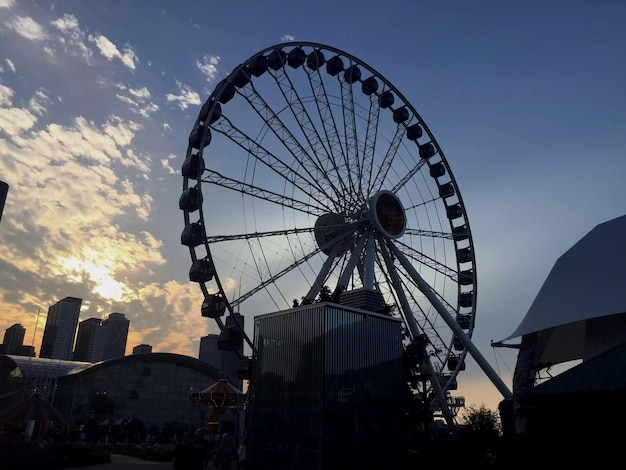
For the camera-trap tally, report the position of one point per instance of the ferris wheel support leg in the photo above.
(454, 326)
(413, 327)
(370, 257)
(342, 284)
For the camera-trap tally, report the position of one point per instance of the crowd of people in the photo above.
(194, 452)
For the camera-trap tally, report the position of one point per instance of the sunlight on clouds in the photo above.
(28, 28)
(99, 272)
(175, 308)
(187, 96)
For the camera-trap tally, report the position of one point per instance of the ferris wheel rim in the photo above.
(213, 101)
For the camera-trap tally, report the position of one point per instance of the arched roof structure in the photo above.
(580, 311)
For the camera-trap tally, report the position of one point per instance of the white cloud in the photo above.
(166, 126)
(7, 3)
(28, 28)
(68, 25)
(186, 98)
(139, 103)
(110, 51)
(13, 120)
(166, 165)
(287, 37)
(208, 66)
(10, 64)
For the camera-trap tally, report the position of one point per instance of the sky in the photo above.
(97, 99)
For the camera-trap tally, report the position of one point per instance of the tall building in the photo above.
(227, 362)
(90, 341)
(142, 349)
(116, 327)
(58, 335)
(14, 339)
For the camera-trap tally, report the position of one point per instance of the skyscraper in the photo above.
(226, 361)
(58, 335)
(13, 339)
(116, 327)
(90, 341)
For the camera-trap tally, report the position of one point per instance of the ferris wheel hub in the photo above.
(387, 214)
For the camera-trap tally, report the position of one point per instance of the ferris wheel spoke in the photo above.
(329, 125)
(255, 235)
(267, 158)
(213, 177)
(273, 278)
(353, 163)
(369, 145)
(301, 114)
(309, 164)
(385, 166)
(428, 233)
(409, 176)
(428, 261)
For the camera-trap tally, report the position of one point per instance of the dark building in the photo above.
(60, 330)
(227, 362)
(116, 327)
(153, 388)
(14, 339)
(142, 349)
(90, 341)
(328, 383)
(4, 190)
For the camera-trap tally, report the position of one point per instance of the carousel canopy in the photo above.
(222, 394)
(580, 310)
(34, 408)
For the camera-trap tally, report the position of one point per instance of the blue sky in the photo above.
(97, 100)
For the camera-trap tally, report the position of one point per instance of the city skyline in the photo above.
(97, 100)
(89, 340)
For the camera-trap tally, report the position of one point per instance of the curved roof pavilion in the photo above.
(580, 311)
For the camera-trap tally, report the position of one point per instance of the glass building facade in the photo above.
(151, 387)
(326, 389)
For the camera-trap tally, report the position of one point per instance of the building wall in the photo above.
(152, 387)
(60, 329)
(116, 327)
(226, 361)
(14, 339)
(89, 341)
(327, 383)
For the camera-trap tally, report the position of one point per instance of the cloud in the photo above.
(68, 25)
(186, 98)
(166, 165)
(110, 51)
(208, 66)
(10, 64)
(28, 28)
(137, 99)
(7, 3)
(287, 37)
(13, 120)
(80, 188)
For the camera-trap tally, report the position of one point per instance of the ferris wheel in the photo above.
(308, 173)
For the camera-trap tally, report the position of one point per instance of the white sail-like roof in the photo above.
(586, 285)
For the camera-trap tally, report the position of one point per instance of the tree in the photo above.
(482, 420)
